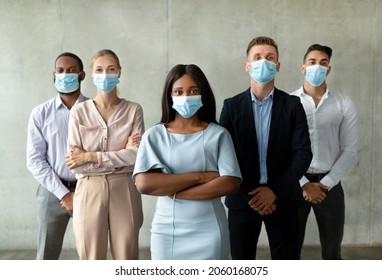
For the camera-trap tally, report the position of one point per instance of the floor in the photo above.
(308, 253)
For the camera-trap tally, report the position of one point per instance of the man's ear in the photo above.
(81, 76)
(303, 68)
(278, 64)
(329, 68)
(247, 66)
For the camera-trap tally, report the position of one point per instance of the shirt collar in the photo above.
(59, 103)
(302, 93)
(270, 96)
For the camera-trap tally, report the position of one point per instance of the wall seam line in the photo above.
(373, 145)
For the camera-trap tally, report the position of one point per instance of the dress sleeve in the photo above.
(227, 161)
(150, 154)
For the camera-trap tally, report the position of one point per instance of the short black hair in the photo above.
(72, 55)
(207, 112)
(321, 48)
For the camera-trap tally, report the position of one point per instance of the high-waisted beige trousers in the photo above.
(106, 207)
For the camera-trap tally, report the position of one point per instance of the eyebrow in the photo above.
(314, 59)
(189, 87)
(109, 66)
(267, 54)
(70, 67)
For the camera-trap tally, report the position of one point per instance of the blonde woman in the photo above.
(104, 133)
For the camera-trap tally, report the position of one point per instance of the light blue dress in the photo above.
(188, 229)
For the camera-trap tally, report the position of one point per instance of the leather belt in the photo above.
(69, 184)
(315, 177)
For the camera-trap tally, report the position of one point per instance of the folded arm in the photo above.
(83, 161)
(217, 187)
(162, 184)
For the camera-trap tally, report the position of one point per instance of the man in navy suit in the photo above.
(271, 137)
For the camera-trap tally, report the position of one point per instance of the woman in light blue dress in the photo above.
(189, 162)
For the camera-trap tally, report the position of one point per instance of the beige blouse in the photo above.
(88, 131)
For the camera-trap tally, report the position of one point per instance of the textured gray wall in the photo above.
(152, 36)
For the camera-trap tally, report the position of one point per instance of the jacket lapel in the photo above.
(248, 125)
(276, 113)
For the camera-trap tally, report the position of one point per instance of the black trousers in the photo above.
(330, 217)
(281, 226)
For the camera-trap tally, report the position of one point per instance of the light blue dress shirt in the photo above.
(47, 145)
(262, 112)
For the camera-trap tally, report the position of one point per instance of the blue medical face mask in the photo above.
(263, 71)
(187, 106)
(66, 83)
(105, 82)
(316, 74)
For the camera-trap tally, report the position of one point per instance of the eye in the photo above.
(177, 92)
(111, 70)
(195, 91)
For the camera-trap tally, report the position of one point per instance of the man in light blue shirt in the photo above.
(271, 138)
(46, 149)
(262, 115)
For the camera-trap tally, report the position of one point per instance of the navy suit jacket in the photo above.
(289, 149)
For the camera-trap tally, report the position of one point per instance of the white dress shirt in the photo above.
(47, 145)
(333, 133)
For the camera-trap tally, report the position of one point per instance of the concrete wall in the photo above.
(152, 36)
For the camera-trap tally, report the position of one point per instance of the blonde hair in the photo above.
(105, 52)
